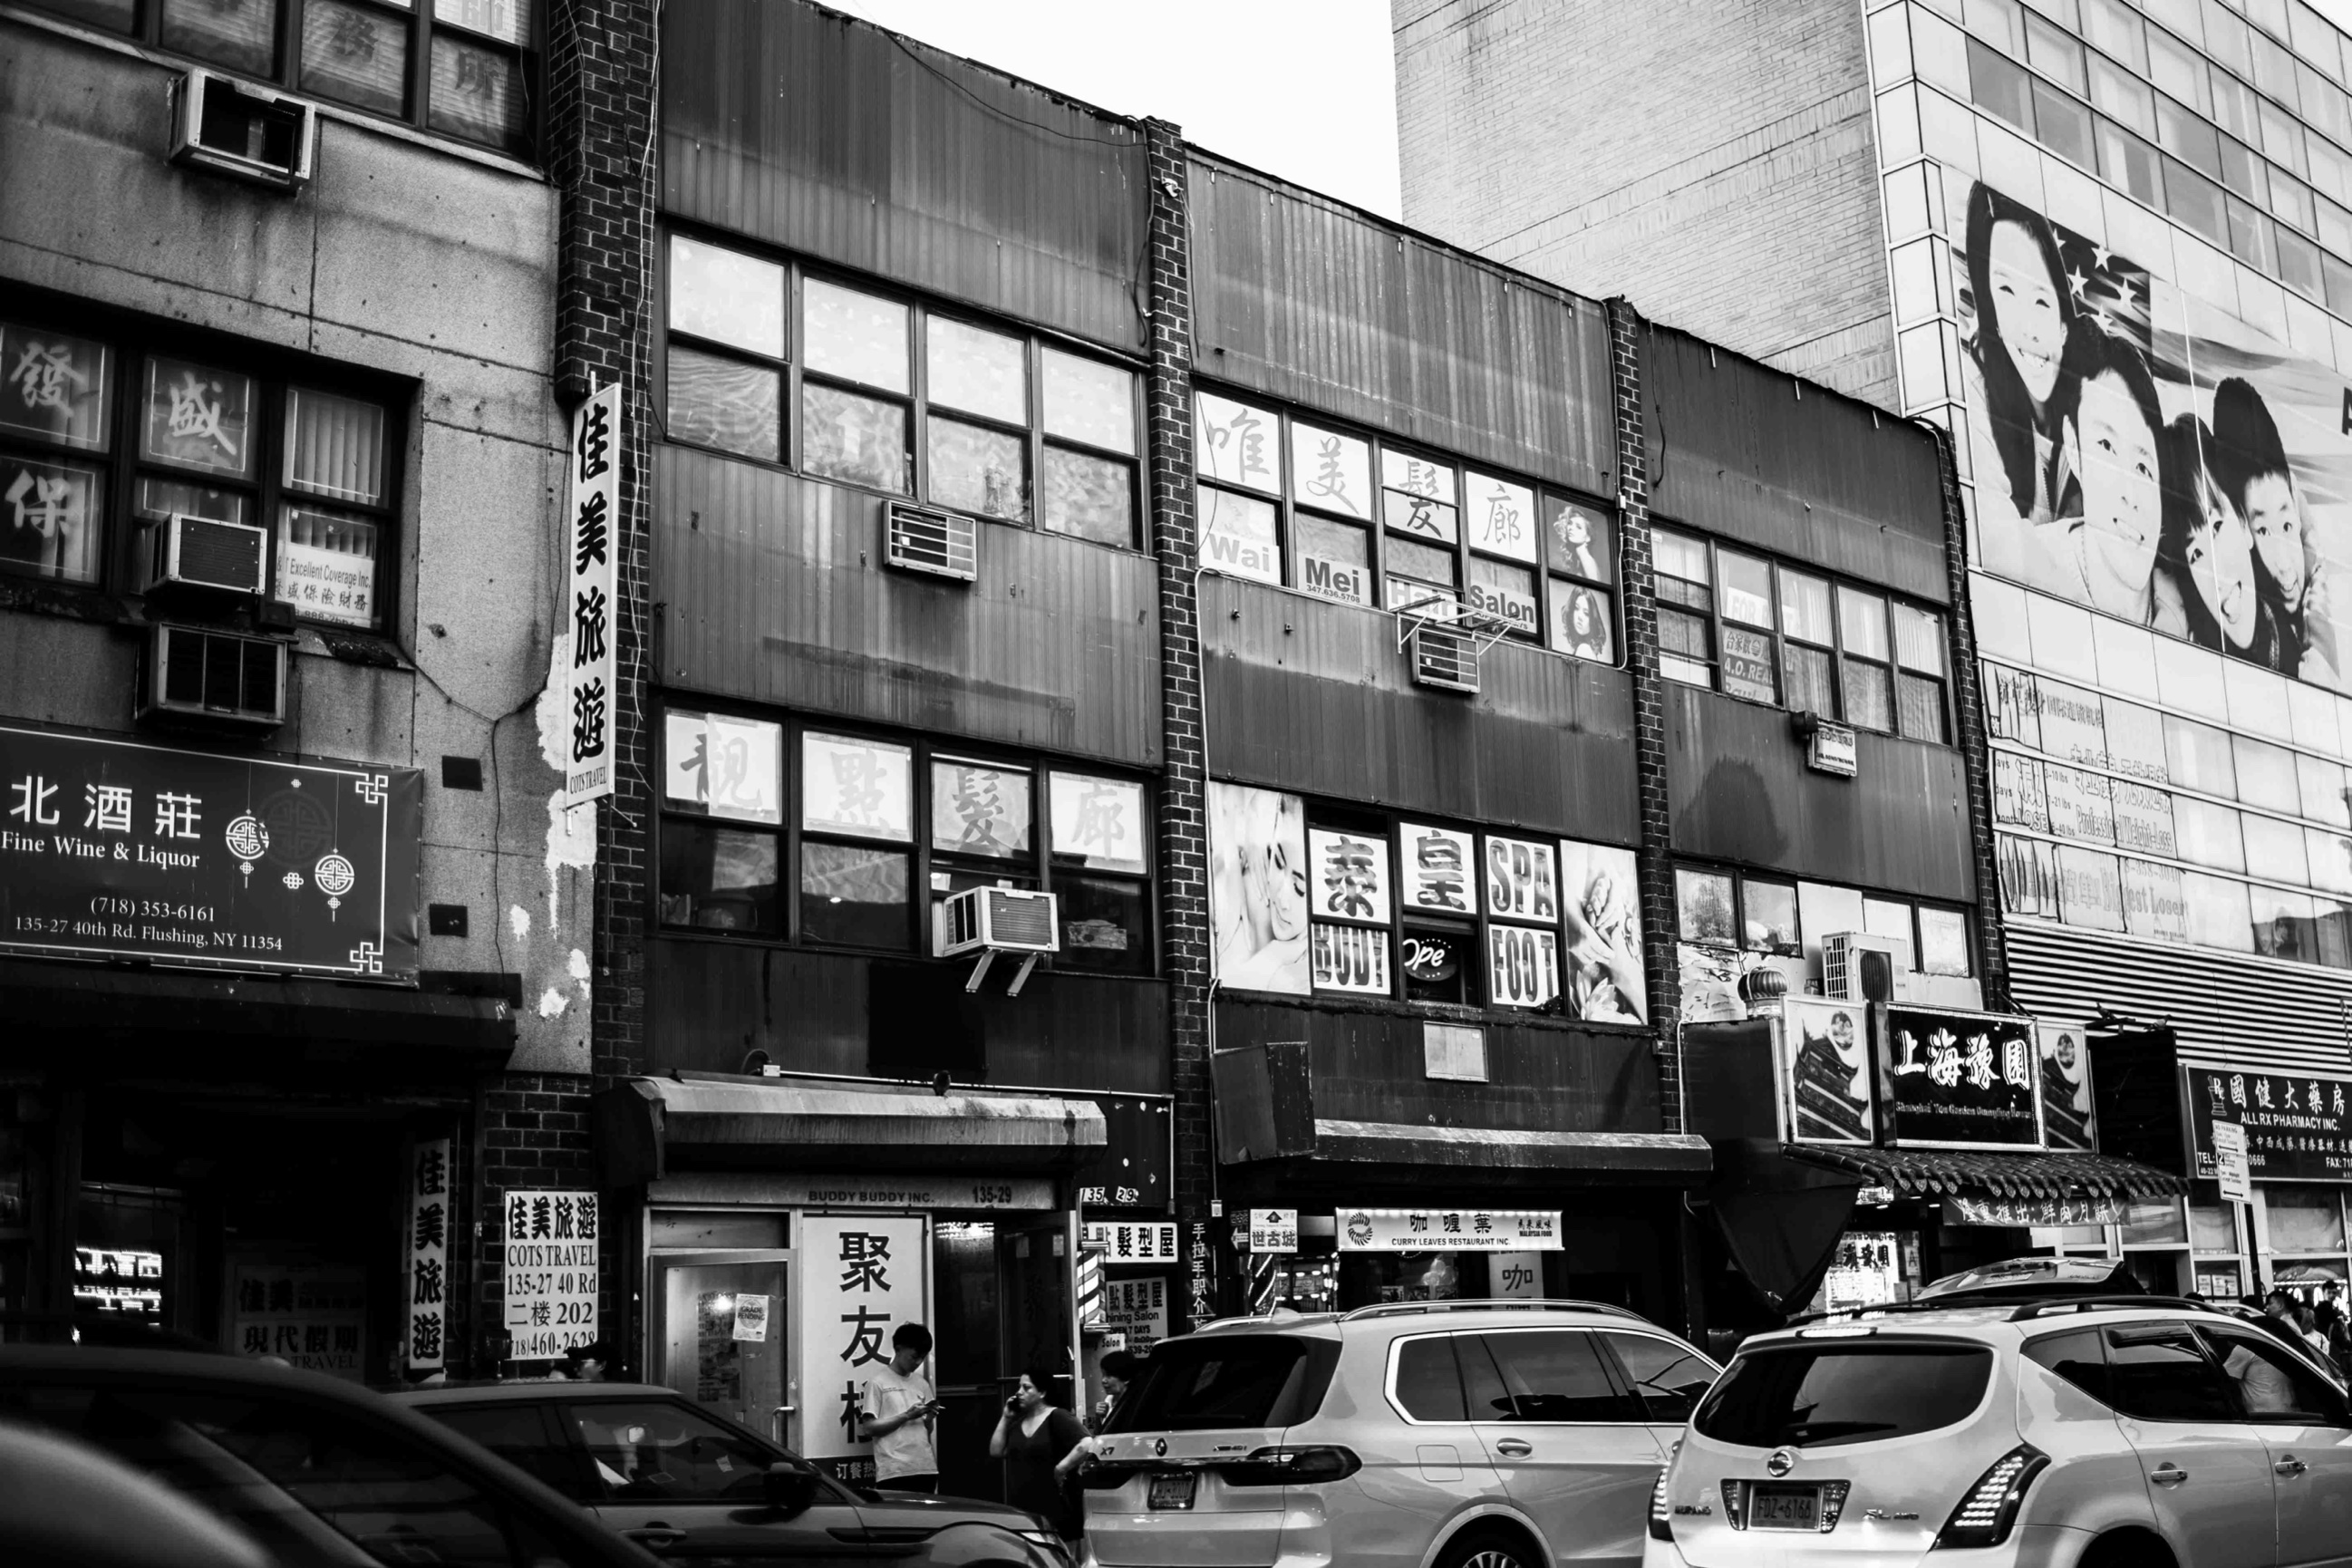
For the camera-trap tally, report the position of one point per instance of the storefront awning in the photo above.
(649, 1126)
(1939, 1173)
(1490, 1148)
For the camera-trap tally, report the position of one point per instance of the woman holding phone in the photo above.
(1042, 1445)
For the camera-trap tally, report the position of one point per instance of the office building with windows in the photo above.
(2106, 247)
(277, 444)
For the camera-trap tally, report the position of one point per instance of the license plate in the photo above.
(1174, 1491)
(1784, 1508)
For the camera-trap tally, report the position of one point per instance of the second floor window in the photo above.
(895, 396)
(100, 435)
(863, 839)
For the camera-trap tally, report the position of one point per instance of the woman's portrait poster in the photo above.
(1257, 889)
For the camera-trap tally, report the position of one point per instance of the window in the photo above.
(1805, 1396)
(896, 397)
(2160, 1372)
(1553, 1375)
(523, 1435)
(1428, 1385)
(1759, 914)
(1366, 522)
(1763, 632)
(223, 436)
(1703, 907)
(2077, 1357)
(875, 836)
(465, 68)
(2273, 1384)
(647, 1450)
(1669, 1379)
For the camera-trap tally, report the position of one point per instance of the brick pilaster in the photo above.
(531, 1136)
(1654, 857)
(601, 119)
(1968, 715)
(1183, 805)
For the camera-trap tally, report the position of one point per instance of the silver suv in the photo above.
(1451, 1434)
(2111, 1432)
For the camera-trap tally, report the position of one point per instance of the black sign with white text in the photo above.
(1959, 1080)
(115, 849)
(2296, 1126)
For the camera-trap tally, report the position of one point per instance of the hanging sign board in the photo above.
(2229, 1170)
(1959, 1080)
(427, 1240)
(589, 615)
(1448, 1230)
(2295, 1126)
(860, 1277)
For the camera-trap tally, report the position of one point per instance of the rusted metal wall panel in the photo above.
(1738, 789)
(711, 1003)
(1368, 1065)
(1315, 303)
(825, 135)
(1307, 695)
(1747, 453)
(771, 589)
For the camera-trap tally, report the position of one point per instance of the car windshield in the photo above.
(645, 1450)
(1815, 1397)
(1218, 1381)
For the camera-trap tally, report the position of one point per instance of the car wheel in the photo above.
(1488, 1549)
(2128, 1549)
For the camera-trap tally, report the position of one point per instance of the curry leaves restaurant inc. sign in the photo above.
(115, 849)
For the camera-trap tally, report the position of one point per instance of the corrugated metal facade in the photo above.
(2226, 1010)
(774, 591)
(1743, 452)
(832, 138)
(1314, 303)
(1306, 695)
(1738, 789)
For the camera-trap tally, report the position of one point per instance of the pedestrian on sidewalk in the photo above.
(895, 1411)
(1042, 1445)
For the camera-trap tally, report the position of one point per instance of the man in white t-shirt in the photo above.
(895, 1413)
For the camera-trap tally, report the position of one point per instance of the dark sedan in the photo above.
(685, 1483)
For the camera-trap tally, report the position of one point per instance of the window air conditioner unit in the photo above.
(221, 676)
(1445, 659)
(1003, 920)
(245, 132)
(204, 553)
(1859, 967)
(937, 543)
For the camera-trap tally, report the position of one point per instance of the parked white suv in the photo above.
(2110, 1432)
(1425, 1434)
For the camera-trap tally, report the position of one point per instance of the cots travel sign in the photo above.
(1448, 1230)
(113, 849)
(551, 1273)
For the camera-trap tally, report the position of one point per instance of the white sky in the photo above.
(1302, 89)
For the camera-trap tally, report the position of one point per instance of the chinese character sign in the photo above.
(1961, 1081)
(860, 1277)
(551, 1272)
(1138, 1308)
(312, 1316)
(1449, 1230)
(112, 849)
(2296, 1127)
(588, 613)
(431, 1183)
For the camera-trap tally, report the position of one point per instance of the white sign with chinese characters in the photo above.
(1137, 1309)
(2232, 1173)
(1517, 1276)
(861, 1277)
(1449, 1230)
(551, 1273)
(427, 1240)
(311, 1316)
(1137, 1241)
(591, 546)
(1273, 1230)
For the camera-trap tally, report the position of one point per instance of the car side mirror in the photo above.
(788, 1489)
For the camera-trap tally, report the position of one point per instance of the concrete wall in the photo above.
(1712, 160)
(407, 257)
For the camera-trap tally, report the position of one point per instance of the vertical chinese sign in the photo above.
(590, 545)
(551, 1273)
(426, 1344)
(861, 1278)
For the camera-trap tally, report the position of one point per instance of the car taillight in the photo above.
(1661, 1527)
(1290, 1466)
(1990, 1509)
(1735, 1503)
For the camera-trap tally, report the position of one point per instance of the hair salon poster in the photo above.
(2141, 452)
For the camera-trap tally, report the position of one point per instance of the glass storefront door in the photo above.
(720, 1335)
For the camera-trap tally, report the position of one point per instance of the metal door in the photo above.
(1571, 1447)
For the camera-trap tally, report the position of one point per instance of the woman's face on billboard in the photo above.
(2220, 558)
(2123, 501)
(2025, 308)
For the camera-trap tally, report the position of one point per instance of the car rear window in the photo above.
(1816, 1396)
(1215, 1381)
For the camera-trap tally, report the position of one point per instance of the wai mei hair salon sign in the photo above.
(111, 849)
